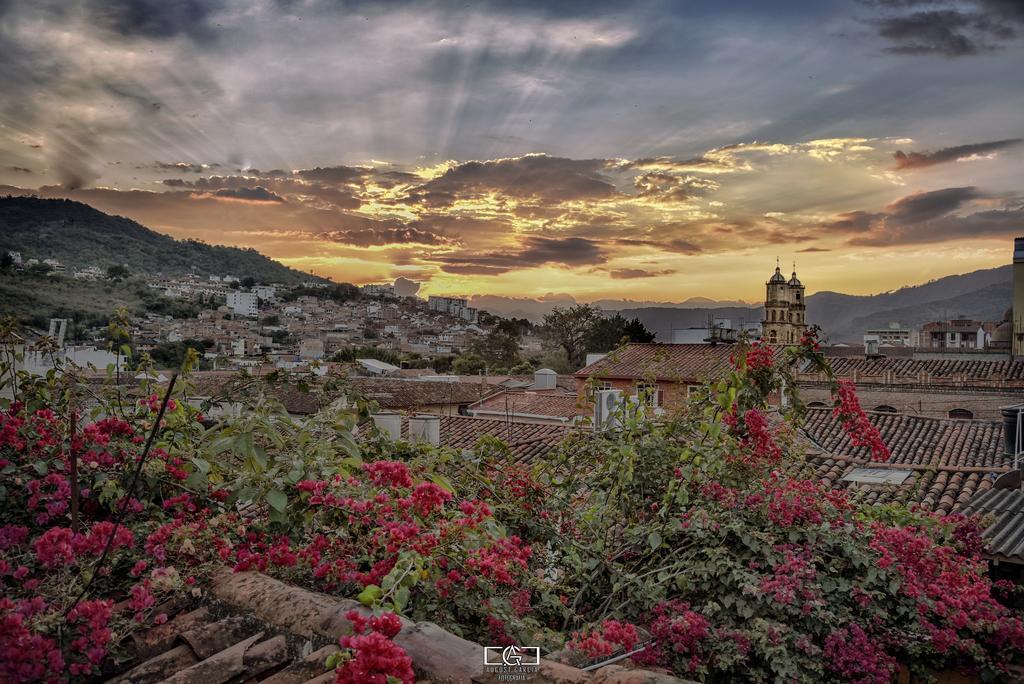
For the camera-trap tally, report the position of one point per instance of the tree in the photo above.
(609, 332)
(568, 329)
(500, 347)
(468, 364)
(248, 282)
(6, 261)
(117, 272)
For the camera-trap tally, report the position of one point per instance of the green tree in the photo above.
(500, 347)
(468, 364)
(568, 329)
(117, 272)
(609, 332)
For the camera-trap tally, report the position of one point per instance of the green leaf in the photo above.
(202, 464)
(401, 599)
(369, 595)
(654, 539)
(277, 499)
(197, 480)
(40, 467)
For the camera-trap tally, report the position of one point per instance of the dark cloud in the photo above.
(552, 179)
(334, 174)
(373, 237)
(254, 194)
(632, 273)
(20, 169)
(951, 29)
(929, 217)
(809, 250)
(677, 245)
(924, 206)
(159, 19)
(917, 160)
(535, 251)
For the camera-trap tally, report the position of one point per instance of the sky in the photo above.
(651, 151)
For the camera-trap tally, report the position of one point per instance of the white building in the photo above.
(373, 290)
(453, 306)
(243, 303)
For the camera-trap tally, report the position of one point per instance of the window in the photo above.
(772, 337)
(885, 408)
(961, 414)
(773, 315)
(876, 476)
(649, 393)
(595, 386)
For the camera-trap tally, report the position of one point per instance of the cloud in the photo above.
(334, 174)
(405, 287)
(533, 176)
(254, 194)
(950, 29)
(184, 167)
(930, 217)
(923, 206)
(20, 169)
(535, 251)
(810, 250)
(633, 273)
(917, 160)
(372, 237)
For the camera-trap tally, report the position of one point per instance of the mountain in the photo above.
(536, 309)
(983, 295)
(78, 236)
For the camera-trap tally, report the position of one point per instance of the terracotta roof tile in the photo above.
(949, 461)
(912, 370)
(402, 393)
(668, 362)
(564, 406)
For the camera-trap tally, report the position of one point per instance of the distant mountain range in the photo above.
(78, 236)
(984, 295)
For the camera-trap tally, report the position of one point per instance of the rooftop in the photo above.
(939, 464)
(668, 362)
(530, 404)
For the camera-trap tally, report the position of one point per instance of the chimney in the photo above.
(1013, 417)
(388, 423)
(1017, 337)
(870, 346)
(425, 428)
(545, 379)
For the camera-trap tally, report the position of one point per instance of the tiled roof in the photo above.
(1004, 537)
(389, 393)
(668, 362)
(947, 461)
(912, 370)
(527, 441)
(402, 393)
(916, 440)
(560, 405)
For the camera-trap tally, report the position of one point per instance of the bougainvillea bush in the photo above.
(692, 542)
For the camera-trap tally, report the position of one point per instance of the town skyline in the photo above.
(655, 154)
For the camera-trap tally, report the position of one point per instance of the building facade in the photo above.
(243, 303)
(784, 309)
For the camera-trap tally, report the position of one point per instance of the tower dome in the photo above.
(794, 281)
(777, 277)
